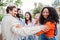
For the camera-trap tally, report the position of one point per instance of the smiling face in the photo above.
(45, 13)
(13, 12)
(19, 12)
(37, 16)
(27, 16)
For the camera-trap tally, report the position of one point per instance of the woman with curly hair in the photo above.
(49, 18)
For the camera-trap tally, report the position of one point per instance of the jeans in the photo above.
(52, 38)
(28, 38)
(31, 37)
(42, 37)
(21, 38)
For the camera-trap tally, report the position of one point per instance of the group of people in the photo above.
(42, 27)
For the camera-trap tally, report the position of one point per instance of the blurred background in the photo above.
(32, 6)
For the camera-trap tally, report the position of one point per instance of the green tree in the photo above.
(2, 4)
(22, 16)
(1, 8)
(59, 9)
(37, 9)
(35, 4)
(1, 16)
(18, 2)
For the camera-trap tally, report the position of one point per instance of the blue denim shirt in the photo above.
(21, 21)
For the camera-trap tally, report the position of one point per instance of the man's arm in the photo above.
(32, 30)
(26, 31)
(19, 30)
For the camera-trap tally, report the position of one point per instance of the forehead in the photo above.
(14, 8)
(38, 14)
(45, 9)
(27, 14)
(19, 10)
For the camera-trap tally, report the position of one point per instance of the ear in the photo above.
(10, 11)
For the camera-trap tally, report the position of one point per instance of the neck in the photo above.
(12, 14)
(28, 21)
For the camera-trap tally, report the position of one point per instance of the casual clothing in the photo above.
(40, 37)
(8, 22)
(20, 20)
(30, 37)
(51, 38)
(48, 30)
(10, 32)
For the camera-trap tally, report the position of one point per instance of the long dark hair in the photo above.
(29, 18)
(53, 16)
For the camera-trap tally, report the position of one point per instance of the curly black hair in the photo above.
(53, 16)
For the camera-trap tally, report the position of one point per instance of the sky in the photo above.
(29, 4)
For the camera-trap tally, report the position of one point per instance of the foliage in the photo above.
(59, 9)
(2, 4)
(22, 16)
(1, 16)
(37, 9)
(18, 2)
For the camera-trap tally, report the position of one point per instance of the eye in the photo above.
(47, 12)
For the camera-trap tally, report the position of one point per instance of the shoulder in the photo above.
(50, 24)
(5, 18)
(33, 21)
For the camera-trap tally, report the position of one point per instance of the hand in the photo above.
(37, 34)
(18, 26)
(4, 39)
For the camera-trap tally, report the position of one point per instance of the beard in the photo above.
(18, 15)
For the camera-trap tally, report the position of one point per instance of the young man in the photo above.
(18, 15)
(8, 22)
(20, 20)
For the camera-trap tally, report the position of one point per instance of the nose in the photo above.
(44, 13)
(15, 12)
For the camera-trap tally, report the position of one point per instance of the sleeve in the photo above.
(26, 31)
(14, 24)
(4, 27)
(16, 28)
(23, 31)
(18, 31)
(32, 30)
(46, 28)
